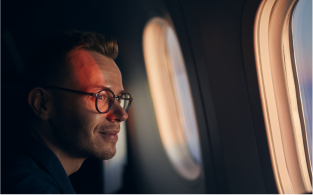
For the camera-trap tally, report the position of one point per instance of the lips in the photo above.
(111, 135)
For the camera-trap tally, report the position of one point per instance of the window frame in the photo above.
(280, 97)
(156, 26)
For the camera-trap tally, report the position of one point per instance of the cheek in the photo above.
(87, 122)
(91, 104)
(76, 116)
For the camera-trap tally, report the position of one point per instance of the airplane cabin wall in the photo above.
(234, 156)
(226, 31)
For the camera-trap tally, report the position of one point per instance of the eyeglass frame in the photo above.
(95, 95)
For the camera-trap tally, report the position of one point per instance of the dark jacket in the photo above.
(34, 169)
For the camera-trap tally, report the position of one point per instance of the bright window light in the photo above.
(302, 42)
(184, 100)
(172, 98)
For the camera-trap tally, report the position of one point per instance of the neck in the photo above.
(69, 163)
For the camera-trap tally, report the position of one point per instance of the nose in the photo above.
(117, 113)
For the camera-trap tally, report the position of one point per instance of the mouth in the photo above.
(110, 135)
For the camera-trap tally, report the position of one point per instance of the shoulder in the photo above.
(23, 174)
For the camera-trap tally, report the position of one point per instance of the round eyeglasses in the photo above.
(104, 98)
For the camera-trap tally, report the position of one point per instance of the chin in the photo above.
(109, 157)
(101, 151)
(105, 154)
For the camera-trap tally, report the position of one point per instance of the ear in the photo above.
(38, 100)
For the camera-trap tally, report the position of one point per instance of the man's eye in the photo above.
(102, 97)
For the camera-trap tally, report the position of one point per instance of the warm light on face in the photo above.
(172, 98)
(83, 131)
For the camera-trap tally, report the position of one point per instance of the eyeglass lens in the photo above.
(105, 101)
(125, 101)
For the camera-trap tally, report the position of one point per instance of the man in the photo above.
(77, 103)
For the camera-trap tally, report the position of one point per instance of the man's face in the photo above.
(79, 130)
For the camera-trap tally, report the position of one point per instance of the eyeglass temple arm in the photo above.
(70, 90)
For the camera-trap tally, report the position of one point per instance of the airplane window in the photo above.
(172, 98)
(113, 168)
(283, 51)
(302, 41)
(184, 100)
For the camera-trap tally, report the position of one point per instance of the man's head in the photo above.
(69, 121)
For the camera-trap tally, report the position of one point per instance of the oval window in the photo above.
(172, 98)
(302, 43)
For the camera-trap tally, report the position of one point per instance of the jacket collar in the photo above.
(51, 162)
